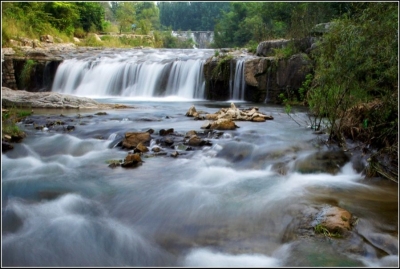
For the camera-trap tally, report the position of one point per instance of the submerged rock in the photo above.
(322, 162)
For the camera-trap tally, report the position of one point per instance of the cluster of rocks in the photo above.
(166, 142)
(225, 117)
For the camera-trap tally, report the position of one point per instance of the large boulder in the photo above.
(132, 139)
(336, 220)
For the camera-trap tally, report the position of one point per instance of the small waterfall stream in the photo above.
(237, 83)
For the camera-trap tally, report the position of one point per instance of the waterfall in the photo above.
(145, 75)
(237, 83)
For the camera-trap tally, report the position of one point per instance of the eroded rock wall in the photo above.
(265, 77)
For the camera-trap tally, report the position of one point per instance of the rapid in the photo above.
(220, 205)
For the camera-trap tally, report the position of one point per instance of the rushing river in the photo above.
(220, 205)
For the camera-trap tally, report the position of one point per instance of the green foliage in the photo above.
(91, 41)
(222, 68)
(259, 21)
(26, 74)
(195, 16)
(91, 16)
(62, 19)
(252, 46)
(9, 119)
(283, 53)
(305, 87)
(64, 15)
(319, 228)
(79, 32)
(125, 14)
(165, 39)
(357, 63)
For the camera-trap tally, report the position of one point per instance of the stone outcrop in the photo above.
(265, 77)
(24, 99)
(8, 72)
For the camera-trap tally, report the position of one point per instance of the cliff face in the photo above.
(265, 77)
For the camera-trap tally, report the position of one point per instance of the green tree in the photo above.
(357, 63)
(64, 15)
(91, 16)
(125, 14)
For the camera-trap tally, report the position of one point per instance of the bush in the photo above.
(79, 33)
(252, 46)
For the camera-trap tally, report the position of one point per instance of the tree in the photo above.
(91, 16)
(357, 63)
(125, 14)
(65, 15)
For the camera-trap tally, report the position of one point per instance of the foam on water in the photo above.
(204, 257)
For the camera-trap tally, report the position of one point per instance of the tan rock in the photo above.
(132, 139)
(223, 124)
(211, 116)
(336, 220)
(132, 160)
(191, 112)
(141, 148)
(195, 141)
(258, 119)
(191, 133)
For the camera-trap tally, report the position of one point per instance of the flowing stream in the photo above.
(237, 82)
(220, 205)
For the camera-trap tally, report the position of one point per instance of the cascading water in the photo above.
(237, 83)
(135, 74)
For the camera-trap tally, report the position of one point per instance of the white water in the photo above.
(137, 74)
(237, 82)
(202, 209)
